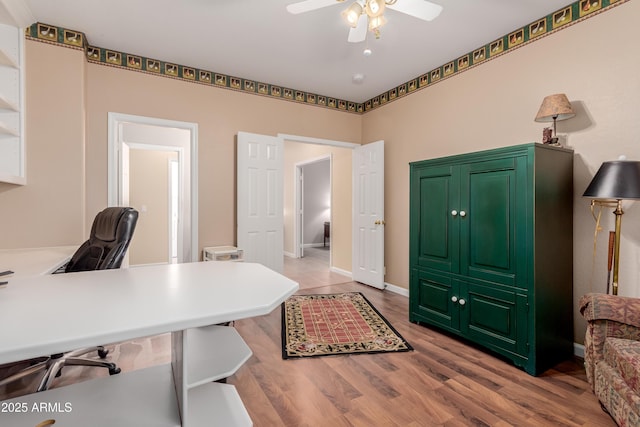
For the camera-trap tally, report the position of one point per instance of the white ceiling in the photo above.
(260, 40)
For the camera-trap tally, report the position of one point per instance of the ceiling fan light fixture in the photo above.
(352, 14)
(375, 24)
(375, 8)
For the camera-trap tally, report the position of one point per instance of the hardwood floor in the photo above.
(443, 382)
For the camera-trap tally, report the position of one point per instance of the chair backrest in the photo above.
(108, 242)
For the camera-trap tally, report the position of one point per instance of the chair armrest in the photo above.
(625, 310)
(607, 316)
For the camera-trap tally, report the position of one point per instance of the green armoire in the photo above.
(491, 250)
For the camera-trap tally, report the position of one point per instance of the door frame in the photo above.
(172, 164)
(117, 149)
(298, 200)
(320, 141)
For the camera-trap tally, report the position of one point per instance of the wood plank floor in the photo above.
(443, 382)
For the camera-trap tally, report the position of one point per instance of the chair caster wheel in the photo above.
(103, 353)
(114, 370)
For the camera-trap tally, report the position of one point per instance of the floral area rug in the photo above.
(346, 323)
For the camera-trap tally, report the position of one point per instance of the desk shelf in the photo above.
(183, 299)
(214, 353)
(199, 357)
(216, 404)
(139, 398)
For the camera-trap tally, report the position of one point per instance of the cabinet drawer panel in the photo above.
(490, 316)
(431, 299)
(494, 317)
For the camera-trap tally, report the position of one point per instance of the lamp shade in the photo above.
(619, 179)
(555, 107)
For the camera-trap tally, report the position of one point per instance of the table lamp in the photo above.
(553, 108)
(615, 181)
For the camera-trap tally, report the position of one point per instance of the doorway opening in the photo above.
(313, 197)
(169, 190)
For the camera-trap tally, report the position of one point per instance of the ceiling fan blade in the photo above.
(309, 5)
(420, 9)
(359, 33)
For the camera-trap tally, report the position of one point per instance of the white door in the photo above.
(368, 214)
(260, 199)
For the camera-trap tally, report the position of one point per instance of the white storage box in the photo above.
(221, 253)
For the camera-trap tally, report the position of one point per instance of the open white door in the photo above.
(260, 199)
(368, 214)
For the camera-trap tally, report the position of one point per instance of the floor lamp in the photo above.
(615, 181)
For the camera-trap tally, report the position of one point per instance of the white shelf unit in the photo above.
(201, 356)
(189, 300)
(12, 149)
(140, 398)
(178, 394)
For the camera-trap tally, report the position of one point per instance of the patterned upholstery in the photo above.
(612, 353)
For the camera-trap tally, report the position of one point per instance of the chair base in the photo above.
(53, 366)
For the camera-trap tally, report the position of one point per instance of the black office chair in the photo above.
(108, 242)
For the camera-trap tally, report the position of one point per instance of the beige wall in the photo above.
(220, 114)
(494, 104)
(149, 195)
(295, 152)
(68, 101)
(491, 105)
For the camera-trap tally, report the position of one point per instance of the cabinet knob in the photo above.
(462, 301)
(463, 213)
(454, 298)
(454, 212)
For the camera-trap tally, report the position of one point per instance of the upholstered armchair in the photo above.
(612, 354)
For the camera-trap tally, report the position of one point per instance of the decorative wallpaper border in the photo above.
(551, 23)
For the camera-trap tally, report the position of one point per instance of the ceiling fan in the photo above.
(369, 14)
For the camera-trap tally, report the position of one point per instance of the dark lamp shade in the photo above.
(618, 179)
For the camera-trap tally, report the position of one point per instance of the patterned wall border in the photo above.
(73, 39)
(561, 19)
(566, 16)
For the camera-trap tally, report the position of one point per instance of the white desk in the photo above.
(57, 313)
(34, 261)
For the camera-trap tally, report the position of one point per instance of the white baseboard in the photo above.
(341, 271)
(289, 254)
(578, 350)
(396, 289)
(313, 245)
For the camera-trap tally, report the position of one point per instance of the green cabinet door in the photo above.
(434, 233)
(468, 218)
(492, 219)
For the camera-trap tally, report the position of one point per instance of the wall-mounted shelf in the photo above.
(12, 145)
(7, 60)
(7, 104)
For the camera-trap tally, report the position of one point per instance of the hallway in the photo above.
(312, 271)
